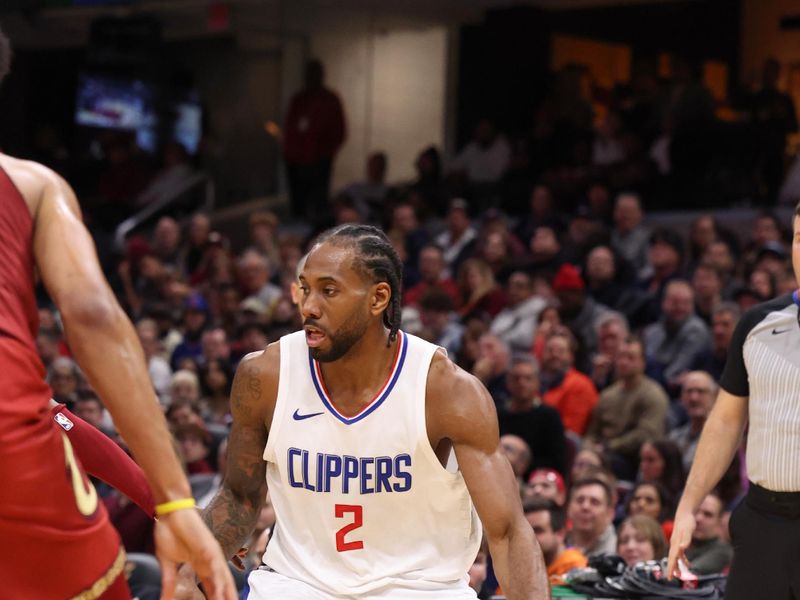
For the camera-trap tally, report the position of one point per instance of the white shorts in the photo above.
(269, 585)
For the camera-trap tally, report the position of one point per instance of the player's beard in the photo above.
(343, 339)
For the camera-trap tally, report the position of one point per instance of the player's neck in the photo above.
(362, 371)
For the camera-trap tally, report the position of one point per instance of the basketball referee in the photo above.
(760, 383)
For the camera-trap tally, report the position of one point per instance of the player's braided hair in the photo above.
(377, 261)
(5, 55)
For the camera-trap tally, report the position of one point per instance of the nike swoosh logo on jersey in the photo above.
(298, 417)
(778, 331)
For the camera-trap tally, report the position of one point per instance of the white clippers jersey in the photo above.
(363, 503)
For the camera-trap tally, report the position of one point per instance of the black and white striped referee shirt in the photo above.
(764, 365)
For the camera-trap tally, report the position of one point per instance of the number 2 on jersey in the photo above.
(358, 520)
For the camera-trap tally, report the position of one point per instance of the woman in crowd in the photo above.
(639, 538)
(216, 377)
(481, 296)
(652, 499)
(661, 461)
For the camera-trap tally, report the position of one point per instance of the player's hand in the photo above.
(682, 531)
(185, 585)
(182, 536)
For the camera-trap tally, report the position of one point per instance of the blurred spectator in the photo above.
(169, 337)
(640, 539)
(629, 412)
(707, 285)
(216, 377)
(427, 188)
(140, 273)
(542, 213)
(440, 323)
(370, 195)
(612, 332)
(703, 231)
(720, 255)
(772, 258)
(698, 393)
(524, 415)
(549, 523)
(491, 366)
(225, 302)
(470, 345)
(665, 256)
(47, 346)
(608, 284)
(773, 112)
(195, 319)
(516, 323)
(519, 455)
(183, 412)
(723, 322)
(157, 366)
(567, 390)
(405, 224)
(707, 553)
(458, 240)
(545, 253)
(652, 499)
(630, 238)
(763, 283)
(196, 243)
(89, 408)
(578, 310)
(486, 158)
(433, 274)
(314, 131)
(587, 462)
(167, 242)
(660, 460)
(548, 322)
(194, 443)
(65, 378)
(481, 296)
(607, 148)
(263, 230)
(252, 338)
(215, 346)
(546, 484)
(184, 387)
(673, 342)
(254, 279)
(590, 510)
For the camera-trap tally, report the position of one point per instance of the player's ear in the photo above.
(381, 296)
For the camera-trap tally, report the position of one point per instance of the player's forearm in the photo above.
(232, 518)
(519, 565)
(719, 441)
(106, 347)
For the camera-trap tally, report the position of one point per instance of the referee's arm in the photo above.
(720, 439)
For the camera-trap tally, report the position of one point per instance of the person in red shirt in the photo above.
(49, 512)
(565, 388)
(313, 133)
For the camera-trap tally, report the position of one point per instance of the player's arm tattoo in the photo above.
(232, 514)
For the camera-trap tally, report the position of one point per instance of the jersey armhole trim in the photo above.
(422, 423)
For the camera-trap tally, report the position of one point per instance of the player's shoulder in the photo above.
(452, 390)
(264, 364)
(34, 181)
(255, 387)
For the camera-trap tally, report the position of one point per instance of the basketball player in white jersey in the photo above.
(350, 423)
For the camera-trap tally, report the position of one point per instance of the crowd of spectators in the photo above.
(600, 337)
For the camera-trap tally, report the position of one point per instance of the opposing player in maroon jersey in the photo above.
(55, 538)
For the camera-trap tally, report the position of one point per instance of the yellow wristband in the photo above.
(168, 507)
